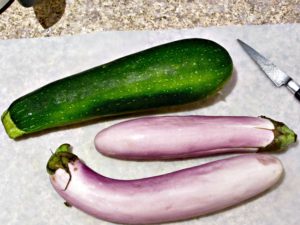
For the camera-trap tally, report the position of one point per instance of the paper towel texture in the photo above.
(26, 194)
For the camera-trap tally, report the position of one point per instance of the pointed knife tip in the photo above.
(243, 44)
(239, 41)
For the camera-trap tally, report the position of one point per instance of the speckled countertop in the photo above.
(66, 17)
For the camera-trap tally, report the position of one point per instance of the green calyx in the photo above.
(283, 137)
(60, 160)
(10, 127)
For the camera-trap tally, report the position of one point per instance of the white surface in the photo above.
(26, 194)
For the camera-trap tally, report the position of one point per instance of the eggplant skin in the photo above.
(170, 74)
(178, 195)
(171, 137)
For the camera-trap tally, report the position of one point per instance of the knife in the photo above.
(4, 4)
(277, 76)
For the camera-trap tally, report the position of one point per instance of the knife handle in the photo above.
(294, 88)
(297, 94)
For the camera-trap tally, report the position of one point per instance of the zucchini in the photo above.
(170, 74)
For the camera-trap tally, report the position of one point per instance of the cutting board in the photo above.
(26, 194)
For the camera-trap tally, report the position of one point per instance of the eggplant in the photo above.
(178, 195)
(171, 137)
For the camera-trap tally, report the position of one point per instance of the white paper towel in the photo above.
(26, 194)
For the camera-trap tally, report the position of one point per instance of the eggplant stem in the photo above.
(60, 160)
(283, 136)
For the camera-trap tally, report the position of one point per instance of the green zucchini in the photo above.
(170, 74)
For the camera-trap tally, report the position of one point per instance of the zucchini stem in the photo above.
(10, 127)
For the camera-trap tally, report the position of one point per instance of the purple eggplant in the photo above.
(179, 195)
(169, 137)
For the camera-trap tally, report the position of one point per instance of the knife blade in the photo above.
(4, 4)
(277, 76)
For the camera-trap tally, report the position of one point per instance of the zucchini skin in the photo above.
(170, 74)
